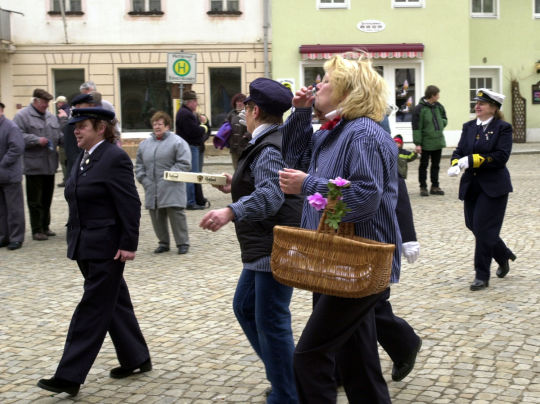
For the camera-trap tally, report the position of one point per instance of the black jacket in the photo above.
(256, 237)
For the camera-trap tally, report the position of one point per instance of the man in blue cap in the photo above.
(261, 304)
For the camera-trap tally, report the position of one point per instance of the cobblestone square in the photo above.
(478, 347)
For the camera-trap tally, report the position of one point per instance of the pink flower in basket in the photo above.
(317, 201)
(337, 208)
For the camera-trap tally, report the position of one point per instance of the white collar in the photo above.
(483, 123)
(259, 130)
(94, 147)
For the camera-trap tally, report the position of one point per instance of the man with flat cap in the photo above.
(42, 134)
(261, 304)
(102, 235)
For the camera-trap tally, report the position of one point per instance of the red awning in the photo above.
(354, 51)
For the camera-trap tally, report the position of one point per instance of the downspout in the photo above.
(63, 12)
(266, 26)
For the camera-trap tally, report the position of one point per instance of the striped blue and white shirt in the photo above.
(268, 197)
(359, 151)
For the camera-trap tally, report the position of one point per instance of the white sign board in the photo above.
(181, 67)
(371, 26)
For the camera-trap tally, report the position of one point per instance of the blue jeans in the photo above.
(261, 305)
(195, 168)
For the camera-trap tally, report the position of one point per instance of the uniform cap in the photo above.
(269, 95)
(483, 94)
(81, 114)
(82, 99)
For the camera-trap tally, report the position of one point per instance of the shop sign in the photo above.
(371, 26)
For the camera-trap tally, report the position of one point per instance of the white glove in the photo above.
(454, 171)
(463, 163)
(410, 250)
(242, 116)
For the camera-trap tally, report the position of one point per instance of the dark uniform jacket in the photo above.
(104, 206)
(493, 147)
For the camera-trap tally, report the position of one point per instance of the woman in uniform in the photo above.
(102, 234)
(482, 151)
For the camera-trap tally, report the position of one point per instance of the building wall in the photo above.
(452, 41)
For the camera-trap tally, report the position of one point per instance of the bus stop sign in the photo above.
(181, 68)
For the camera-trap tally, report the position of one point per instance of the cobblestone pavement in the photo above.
(480, 347)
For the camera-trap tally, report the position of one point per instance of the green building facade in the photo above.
(457, 45)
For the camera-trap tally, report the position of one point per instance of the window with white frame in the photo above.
(484, 8)
(333, 3)
(536, 8)
(70, 6)
(224, 6)
(482, 78)
(407, 3)
(146, 6)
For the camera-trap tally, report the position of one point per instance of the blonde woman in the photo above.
(351, 145)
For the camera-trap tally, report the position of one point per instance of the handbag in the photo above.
(331, 262)
(221, 139)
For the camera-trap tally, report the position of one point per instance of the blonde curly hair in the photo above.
(362, 91)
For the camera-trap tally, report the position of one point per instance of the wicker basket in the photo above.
(329, 262)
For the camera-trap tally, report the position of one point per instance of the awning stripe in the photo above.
(354, 51)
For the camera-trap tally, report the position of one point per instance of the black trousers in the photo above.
(12, 222)
(105, 307)
(435, 156)
(340, 330)
(39, 193)
(394, 334)
(484, 217)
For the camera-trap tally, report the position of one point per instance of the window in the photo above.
(146, 7)
(67, 82)
(333, 3)
(484, 8)
(489, 78)
(224, 83)
(73, 7)
(407, 3)
(536, 8)
(405, 90)
(142, 93)
(224, 7)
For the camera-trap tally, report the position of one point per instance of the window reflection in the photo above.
(405, 90)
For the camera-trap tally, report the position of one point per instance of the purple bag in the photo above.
(221, 139)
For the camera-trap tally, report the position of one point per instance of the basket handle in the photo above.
(344, 229)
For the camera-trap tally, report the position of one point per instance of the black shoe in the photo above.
(39, 236)
(59, 386)
(61, 185)
(14, 245)
(504, 267)
(436, 191)
(402, 369)
(4, 244)
(194, 207)
(479, 284)
(183, 249)
(50, 233)
(161, 249)
(121, 372)
(423, 192)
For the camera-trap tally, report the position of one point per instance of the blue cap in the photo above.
(269, 95)
(82, 99)
(81, 114)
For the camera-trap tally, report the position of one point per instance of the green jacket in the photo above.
(428, 122)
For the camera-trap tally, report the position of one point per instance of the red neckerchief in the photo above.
(329, 125)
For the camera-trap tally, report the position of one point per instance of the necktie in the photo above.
(84, 160)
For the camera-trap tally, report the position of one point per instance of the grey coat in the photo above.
(11, 152)
(39, 160)
(153, 158)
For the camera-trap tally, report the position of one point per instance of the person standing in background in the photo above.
(62, 104)
(12, 220)
(428, 121)
(240, 137)
(189, 128)
(42, 134)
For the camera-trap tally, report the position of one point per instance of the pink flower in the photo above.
(317, 201)
(340, 182)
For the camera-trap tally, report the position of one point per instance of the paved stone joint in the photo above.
(480, 347)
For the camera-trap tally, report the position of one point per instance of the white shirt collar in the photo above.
(483, 123)
(260, 129)
(94, 147)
